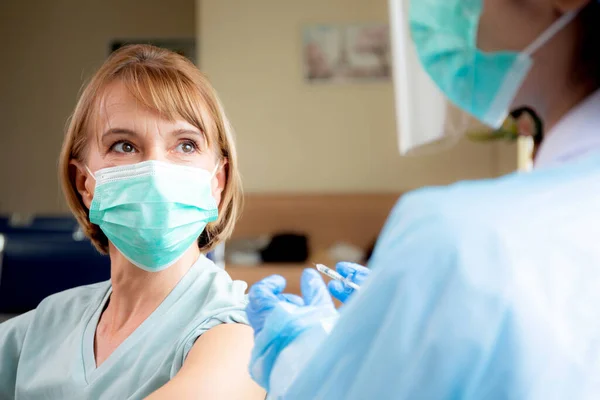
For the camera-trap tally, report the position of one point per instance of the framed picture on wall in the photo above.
(346, 53)
(185, 46)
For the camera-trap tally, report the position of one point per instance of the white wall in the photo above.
(49, 48)
(293, 136)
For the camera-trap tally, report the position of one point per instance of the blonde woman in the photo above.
(149, 169)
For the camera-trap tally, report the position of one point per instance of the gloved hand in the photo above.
(263, 296)
(278, 319)
(356, 273)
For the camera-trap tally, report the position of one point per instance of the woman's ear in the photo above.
(84, 183)
(218, 184)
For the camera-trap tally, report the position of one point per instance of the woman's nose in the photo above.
(155, 153)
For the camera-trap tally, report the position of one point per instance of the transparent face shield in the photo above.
(426, 121)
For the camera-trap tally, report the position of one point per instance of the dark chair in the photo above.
(39, 224)
(35, 265)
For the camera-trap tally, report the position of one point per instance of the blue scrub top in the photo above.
(48, 353)
(480, 290)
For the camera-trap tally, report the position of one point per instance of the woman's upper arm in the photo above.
(216, 367)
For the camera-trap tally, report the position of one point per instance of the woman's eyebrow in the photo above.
(119, 131)
(200, 134)
(178, 132)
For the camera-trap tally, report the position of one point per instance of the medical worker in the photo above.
(480, 290)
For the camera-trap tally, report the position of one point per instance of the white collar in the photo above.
(575, 135)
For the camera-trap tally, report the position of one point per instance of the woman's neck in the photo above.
(561, 103)
(137, 293)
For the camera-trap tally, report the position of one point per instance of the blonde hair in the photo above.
(169, 84)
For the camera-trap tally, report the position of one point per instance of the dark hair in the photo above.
(589, 43)
(538, 125)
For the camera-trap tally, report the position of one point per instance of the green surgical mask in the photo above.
(153, 211)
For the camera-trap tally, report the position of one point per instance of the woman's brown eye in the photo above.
(123, 147)
(186, 147)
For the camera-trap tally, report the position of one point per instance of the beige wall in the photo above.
(298, 137)
(48, 49)
(291, 136)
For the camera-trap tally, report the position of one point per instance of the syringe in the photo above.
(335, 275)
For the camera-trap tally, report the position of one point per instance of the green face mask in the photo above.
(152, 212)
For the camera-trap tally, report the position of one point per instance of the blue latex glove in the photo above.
(263, 297)
(278, 319)
(355, 272)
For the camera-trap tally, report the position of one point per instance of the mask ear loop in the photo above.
(90, 172)
(552, 30)
(215, 170)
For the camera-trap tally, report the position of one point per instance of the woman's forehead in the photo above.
(117, 99)
(117, 105)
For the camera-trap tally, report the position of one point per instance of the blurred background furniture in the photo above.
(41, 256)
(327, 220)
